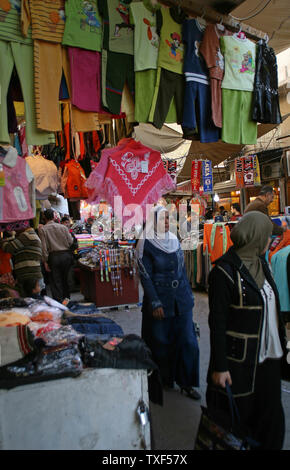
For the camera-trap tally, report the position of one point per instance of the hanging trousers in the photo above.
(21, 56)
(60, 263)
(50, 61)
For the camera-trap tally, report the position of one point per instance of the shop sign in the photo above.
(207, 176)
(239, 170)
(195, 175)
(172, 167)
(257, 175)
(248, 170)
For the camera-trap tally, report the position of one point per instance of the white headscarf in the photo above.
(165, 241)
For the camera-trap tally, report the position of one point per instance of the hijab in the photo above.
(250, 237)
(154, 233)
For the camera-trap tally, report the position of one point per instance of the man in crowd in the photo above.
(26, 252)
(261, 204)
(236, 211)
(57, 255)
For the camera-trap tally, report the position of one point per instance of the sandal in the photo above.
(190, 392)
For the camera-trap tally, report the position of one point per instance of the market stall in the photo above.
(89, 92)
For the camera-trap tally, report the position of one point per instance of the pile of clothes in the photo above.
(43, 340)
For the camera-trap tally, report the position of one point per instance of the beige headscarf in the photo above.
(250, 237)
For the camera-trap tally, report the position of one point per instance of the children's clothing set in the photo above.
(210, 51)
(146, 46)
(48, 25)
(170, 80)
(83, 35)
(118, 51)
(237, 90)
(197, 100)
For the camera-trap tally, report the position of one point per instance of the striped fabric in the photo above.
(10, 25)
(47, 18)
(26, 250)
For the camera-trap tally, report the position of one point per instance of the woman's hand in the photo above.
(158, 313)
(220, 378)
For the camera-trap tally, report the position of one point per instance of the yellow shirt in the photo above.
(47, 18)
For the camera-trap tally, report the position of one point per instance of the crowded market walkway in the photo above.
(175, 424)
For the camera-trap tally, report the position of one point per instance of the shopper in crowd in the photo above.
(57, 255)
(66, 221)
(89, 224)
(222, 211)
(236, 211)
(26, 251)
(32, 288)
(167, 324)
(208, 214)
(261, 204)
(247, 333)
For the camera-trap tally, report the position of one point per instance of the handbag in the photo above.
(213, 434)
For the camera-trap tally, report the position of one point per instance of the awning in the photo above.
(219, 151)
(273, 20)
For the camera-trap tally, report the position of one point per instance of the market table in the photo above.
(102, 293)
(95, 411)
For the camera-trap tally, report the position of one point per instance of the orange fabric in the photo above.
(96, 141)
(5, 266)
(217, 250)
(75, 184)
(82, 145)
(66, 128)
(43, 317)
(285, 241)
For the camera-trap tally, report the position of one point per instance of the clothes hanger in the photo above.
(201, 19)
(240, 34)
(220, 25)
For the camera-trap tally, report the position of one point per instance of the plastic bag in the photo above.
(50, 364)
(62, 336)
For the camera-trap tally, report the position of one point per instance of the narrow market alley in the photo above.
(174, 426)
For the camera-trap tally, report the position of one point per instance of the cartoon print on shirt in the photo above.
(55, 17)
(175, 47)
(248, 65)
(132, 163)
(196, 50)
(5, 7)
(90, 17)
(123, 10)
(151, 32)
(220, 59)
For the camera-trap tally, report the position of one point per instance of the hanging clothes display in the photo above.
(45, 176)
(83, 25)
(279, 268)
(16, 51)
(237, 90)
(216, 239)
(17, 201)
(170, 80)
(197, 98)
(134, 172)
(266, 107)
(47, 21)
(210, 50)
(73, 181)
(85, 71)
(118, 61)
